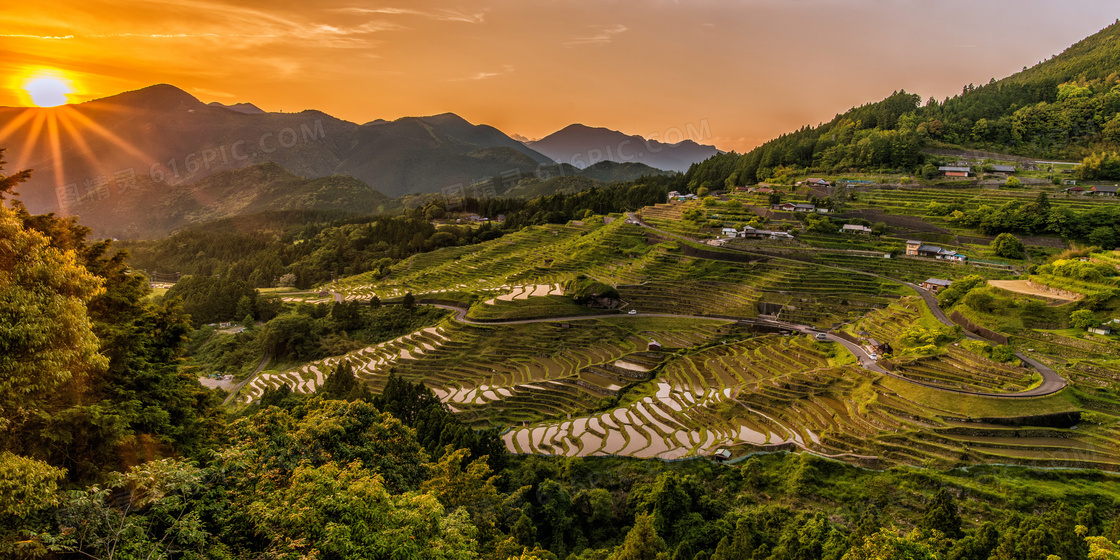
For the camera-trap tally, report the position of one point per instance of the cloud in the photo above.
(602, 36)
(27, 36)
(440, 15)
(506, 70)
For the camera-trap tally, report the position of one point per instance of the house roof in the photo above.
(1004, 168)
(1102, 188)
(912, 242)
(856, 227)
(804, 206)
(930, 249)
(948, 168)
(937, 282)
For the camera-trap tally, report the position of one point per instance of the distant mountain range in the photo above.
(163, 136)
(582, 146)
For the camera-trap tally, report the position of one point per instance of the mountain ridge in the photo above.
(167, 135)
(582, 145)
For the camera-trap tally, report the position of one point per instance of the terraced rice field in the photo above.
(961, 370)
(780, 392)
(595, 386)
(506, 374)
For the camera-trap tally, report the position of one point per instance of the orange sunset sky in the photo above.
(748, 69)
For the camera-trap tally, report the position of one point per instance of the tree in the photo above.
(1101, 548)
(1007, 246)
(347, 512)
(888, 544)
(941, 515)
(342, 385)
(472, 488)
(375, 301)
(1083, 319)
(642, 542)
(9, 183)
(409, 300)
(1013, 182)
(159, 518)
(1003, 353)
(27, 488)
(1103, 237)
(46, 338)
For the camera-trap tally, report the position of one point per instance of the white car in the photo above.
(633, 312)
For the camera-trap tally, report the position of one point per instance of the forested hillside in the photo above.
(1067, 107)
(307, 248)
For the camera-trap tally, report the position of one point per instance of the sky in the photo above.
(734, 73)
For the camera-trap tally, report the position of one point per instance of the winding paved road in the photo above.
(236, 388)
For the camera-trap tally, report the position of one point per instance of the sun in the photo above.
(48, 91)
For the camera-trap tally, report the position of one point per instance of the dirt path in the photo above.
(1022, 287)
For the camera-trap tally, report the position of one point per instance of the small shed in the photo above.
(654, 346)
(935, 284)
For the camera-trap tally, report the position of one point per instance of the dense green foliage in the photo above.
(1099, 225)
(278, 249)
(311, 252)
(115, 394)
(1066, 107)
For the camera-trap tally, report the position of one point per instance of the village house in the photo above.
(1075, 190)
(816, 182)
(751, 232)
(855, 228)
(730, 232)
(954, 171)
(919, 249)
(1102, 190)
(804, 207)
(935, 284)
(1102, 329)
(1003, 168)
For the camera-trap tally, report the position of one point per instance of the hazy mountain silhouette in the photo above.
(583, 146)
(247, 108)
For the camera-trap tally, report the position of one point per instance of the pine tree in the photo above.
(942, 515)
(642, 542)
